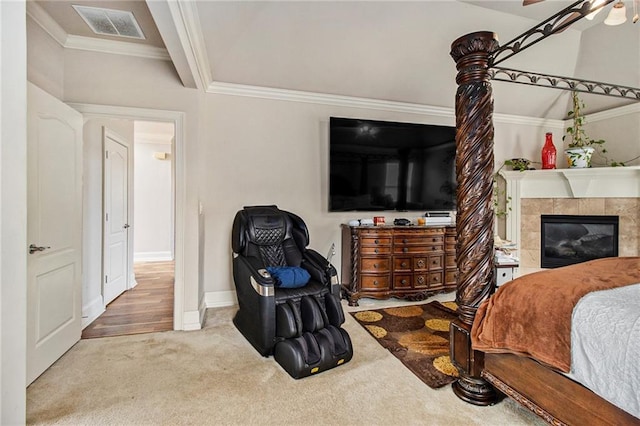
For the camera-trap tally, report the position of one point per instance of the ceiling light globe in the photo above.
(617, 15)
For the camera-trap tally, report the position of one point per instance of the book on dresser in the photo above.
(409, 262)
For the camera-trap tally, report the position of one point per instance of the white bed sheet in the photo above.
(605, 345)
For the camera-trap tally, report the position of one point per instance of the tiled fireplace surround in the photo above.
(596, 191)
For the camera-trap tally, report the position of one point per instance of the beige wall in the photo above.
(621, 133)
(46, 60)
(153, 204)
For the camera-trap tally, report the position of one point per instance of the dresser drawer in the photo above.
(409, 249)
(436, 261)
(402, 281)
(450, 260)
(451, 276)
(372, 250)
(374, 282)
(374, 264)
(419, 231)
(418, 239)
(376, 241)
(435, 278)
(401, 263)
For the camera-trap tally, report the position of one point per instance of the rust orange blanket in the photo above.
(531, 315)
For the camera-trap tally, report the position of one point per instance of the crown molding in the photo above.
(116, 47)
(69, 41)
(233, 89)
(613, 113)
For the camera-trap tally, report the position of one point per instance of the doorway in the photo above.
(146, 302)
(182, 320)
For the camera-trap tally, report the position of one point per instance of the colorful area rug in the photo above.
(418, 335)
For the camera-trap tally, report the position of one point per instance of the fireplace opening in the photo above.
(569, 239)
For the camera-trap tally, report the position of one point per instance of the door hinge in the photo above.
(106, 279)
(106, 153)
(106, 217)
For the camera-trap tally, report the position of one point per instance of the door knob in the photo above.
(33, 248)
(126, 225)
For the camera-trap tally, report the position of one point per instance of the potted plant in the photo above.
(581, 147)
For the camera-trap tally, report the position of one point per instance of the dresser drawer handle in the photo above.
(403, 264)
(421, 263)
(434, 262)
(404, 240)
(376, 242)
(405, 249)
(375, 282)
(434, 278)
(420, 280)
(433, 248)
(375, 265)
(434, 239)
(376, 250)
(404, 282)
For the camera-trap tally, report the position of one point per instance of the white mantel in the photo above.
(599, 182)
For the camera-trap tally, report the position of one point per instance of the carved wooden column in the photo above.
(474, 219)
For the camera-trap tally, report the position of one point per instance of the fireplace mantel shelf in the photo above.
(597, 182)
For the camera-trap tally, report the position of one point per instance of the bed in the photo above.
(487, 373)
(582, 321)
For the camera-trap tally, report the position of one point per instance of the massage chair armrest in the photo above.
(256, 316)
(324, 271)
(249, 272)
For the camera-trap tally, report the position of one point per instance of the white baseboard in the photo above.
(92, 310)
(218, 299)
(152, 256)
(194, 320)
(132, 281)
(191, 320)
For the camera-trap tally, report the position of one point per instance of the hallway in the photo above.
(146, 308)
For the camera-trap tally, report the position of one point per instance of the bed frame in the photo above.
(484, 378)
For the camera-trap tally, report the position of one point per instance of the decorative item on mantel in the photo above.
(580, 148)
(549, 152)
(520, 164)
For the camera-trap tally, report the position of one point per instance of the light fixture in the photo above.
(595, 4)
(617, 15)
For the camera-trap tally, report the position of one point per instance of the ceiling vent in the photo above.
(110, 22)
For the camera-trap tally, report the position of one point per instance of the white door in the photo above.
(54, 229)
(116, 216)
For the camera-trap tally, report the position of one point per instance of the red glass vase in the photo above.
(548, 153)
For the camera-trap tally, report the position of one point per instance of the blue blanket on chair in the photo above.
(289, 276)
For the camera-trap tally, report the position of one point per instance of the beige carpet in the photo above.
(213, 376)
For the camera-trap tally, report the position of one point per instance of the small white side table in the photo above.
(505, 273)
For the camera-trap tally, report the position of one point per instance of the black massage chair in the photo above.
(294, 311)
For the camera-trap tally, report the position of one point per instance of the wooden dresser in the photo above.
(410, 262)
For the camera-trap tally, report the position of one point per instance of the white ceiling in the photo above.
(385, 50)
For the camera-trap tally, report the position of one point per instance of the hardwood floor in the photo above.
(146, 308)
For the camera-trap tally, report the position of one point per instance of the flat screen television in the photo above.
(380, 165)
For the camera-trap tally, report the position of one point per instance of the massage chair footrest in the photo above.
(313, 353)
